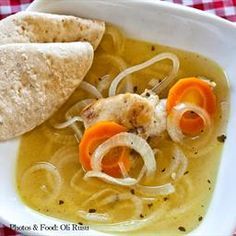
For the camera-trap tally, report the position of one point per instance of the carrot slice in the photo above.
(191, 126)
(195, 91)
(93, 137)
(112, 161)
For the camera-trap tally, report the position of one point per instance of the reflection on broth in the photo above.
(179, 161)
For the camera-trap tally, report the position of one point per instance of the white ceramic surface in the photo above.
(165, 23)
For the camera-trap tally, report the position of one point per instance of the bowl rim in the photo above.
(193, 12)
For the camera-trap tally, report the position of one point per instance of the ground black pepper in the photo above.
(181, 228)
(60, 202)
(92, 210)
(221, 138)
(132, 191)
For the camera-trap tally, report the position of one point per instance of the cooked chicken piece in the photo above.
(145, 115)
(35, 27)
(36, 79)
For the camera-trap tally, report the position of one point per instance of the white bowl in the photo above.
(168, 24)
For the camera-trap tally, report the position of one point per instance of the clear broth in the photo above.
(188, 205)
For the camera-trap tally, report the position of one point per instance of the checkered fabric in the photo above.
(225, 9)
(8, 7)
(4, 231)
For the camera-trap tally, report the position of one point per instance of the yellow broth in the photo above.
(187, 206)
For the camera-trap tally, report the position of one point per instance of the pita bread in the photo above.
(36, 79)
(35, 27)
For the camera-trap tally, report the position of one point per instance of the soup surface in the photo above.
(71, 197)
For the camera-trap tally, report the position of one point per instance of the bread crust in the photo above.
(35, 27)
(36, 79)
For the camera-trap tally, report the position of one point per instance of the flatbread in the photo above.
(35, 27)
(36, 79)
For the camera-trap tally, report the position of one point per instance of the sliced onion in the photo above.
(174, 118)
(68, 122)
(67, 154)
(123, 170)
(105, 217)
(178, 165)
(97, 217)
(130, 140)
(46, 166)
(71, 123)
(141, 173)
(186, 200)
(78, 107)
(211, 83)
(164, 83)
(91, 89)
(104, 83)
(116, 61)
(72, 116)
(131, 225)
(137, 202)
(121, 65)
(153, 82)
(85, 187)
(158, 153)
(184, 188)
(184, 196)
(117, 38)
(174, 164)
(58, 137)
(150, 191)
(181, 209)
(107, 178)
(79, 174)
(97, 195)
(183, 161)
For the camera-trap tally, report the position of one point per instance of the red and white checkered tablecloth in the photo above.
(8, 7)
(225, 9)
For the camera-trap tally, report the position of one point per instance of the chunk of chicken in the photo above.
(144, 115)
